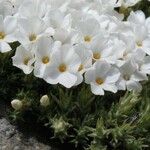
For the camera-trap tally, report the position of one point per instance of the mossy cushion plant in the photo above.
(101, 116)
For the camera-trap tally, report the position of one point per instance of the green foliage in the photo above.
(126, 125)
(76, 116)
(114, 121)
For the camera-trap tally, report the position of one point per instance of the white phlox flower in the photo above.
(6, 8)
(24, 60)
(43, 55)
(88, 29)
(142, 38)
(86, 61)
(65, 65)
(32, 8)
(70, 42)
(130, 77)
(7, 29)
(102, 77)
(127, 50)
(30, 30)
(142, 60)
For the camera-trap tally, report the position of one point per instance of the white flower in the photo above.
(6, 8)
(88, 29)
(148, 25)
(30, 30)
(106, 7)
(16, 104)
(140, 26)
(100, 49)
(80, 5)
(143, 62)
(57, 20)
(86, 61)
(62, 26)
(109, 24)
(43, 55)
(44, 101)
(63, 40)
(137, 17)
(130, 49)
(102, 77)
(107, 49)
(59, 4)
(65, 36)
(32, 8)
(130, 77)
(23, 59)
(145, 66)
(7, 28)
(85, 57)
(65, 63)
(142, 39)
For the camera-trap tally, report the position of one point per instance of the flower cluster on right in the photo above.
(70, 42)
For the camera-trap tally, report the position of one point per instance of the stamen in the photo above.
(62, 68)
(2, 35)
(139, 44)
(81, 68)
(96, 55)
(99, 81)
(32, 37)
(87, 38)
(126, 77)
(26, 61)
(45, 60)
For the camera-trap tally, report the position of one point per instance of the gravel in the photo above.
(12, 139)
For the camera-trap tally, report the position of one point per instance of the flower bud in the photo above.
(44, 101)
(59, 126)
(16, 104)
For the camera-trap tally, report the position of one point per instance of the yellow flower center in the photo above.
(45, 60)
(99, 81)
(87, 38)
(62, 68)
(80, 68)
(126, 77)
(2, 35)
(32, 37)
(26, 61)
(139, 44)
(96, 55)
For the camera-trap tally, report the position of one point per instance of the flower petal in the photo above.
(96, 89)
(67, 79)
(4, 47)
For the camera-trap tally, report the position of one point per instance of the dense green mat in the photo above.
(76, 116)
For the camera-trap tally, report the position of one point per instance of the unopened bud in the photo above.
(45, 101)
(59, 125)
(16, 104)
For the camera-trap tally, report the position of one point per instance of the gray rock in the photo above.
(12, 139)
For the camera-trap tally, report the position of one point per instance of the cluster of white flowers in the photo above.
(71, 41)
